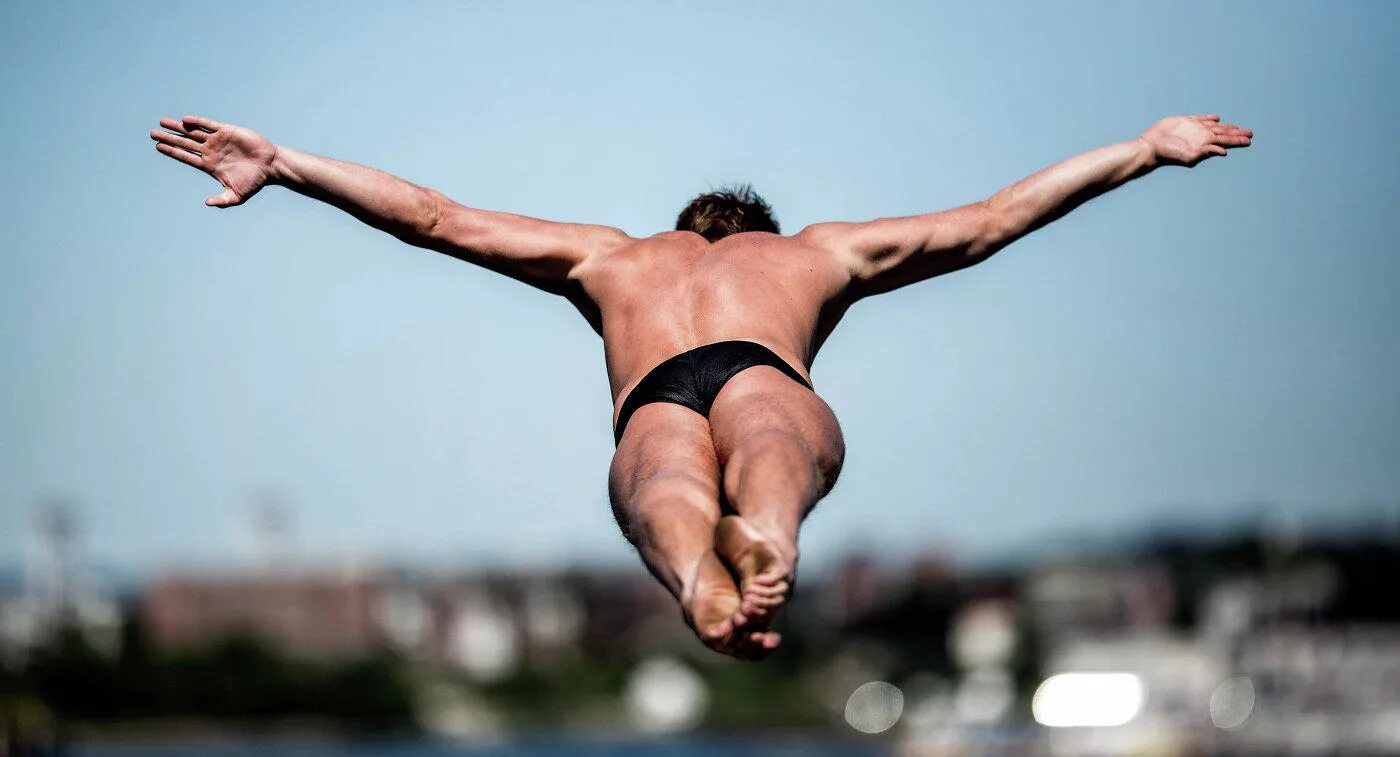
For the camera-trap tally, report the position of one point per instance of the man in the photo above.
(708, 333)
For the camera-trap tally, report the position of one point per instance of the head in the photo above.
(716, 215)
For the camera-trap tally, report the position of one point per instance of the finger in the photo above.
(184, 156)
(1207, 117)
(175, 140)
(1218, 126)
(179, 129)
(1215, 150)
(200, 122)
(173, 125)
(225, 199)
(1231, 136)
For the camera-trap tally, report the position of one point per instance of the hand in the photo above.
(239, 158)
(1188, 140)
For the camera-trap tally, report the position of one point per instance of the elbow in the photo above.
(996, 229)
(431, 214)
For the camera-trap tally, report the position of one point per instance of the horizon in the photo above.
(1258, 521)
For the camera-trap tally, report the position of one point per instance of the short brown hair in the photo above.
(730, 210)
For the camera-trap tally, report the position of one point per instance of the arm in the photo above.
(540, 253)
(889, 253)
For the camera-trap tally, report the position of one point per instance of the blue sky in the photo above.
(1193, 347)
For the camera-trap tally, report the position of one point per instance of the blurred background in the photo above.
(273, 482)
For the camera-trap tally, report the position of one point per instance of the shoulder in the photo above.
(838, 240)
(826, 232)
(607, 248)
(593, 242)
(603, 238)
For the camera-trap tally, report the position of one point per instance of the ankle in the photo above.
(783, 534)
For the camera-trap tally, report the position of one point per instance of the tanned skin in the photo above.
(712, 505)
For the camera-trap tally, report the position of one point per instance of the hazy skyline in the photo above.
(1186, 347)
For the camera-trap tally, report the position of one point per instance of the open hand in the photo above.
(1188, 140)
(240, 159)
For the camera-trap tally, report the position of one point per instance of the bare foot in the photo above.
(711, 605)
(761, 563)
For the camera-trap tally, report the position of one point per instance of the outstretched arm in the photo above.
(540, 253)
(888, 253)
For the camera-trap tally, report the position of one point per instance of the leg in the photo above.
(664, 487)
(781, 450)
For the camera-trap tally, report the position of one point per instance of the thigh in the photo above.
(763, 399)
(664, 442)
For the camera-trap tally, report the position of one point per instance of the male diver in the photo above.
(708, 332)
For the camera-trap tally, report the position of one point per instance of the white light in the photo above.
(983, 636)
(874, 707)
(1232, 703)
(665, 695)
(1087, 699)
(483, 641)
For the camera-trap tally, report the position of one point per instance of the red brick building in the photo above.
(308, 616)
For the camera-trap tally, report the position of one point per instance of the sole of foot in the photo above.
(712, 609)
(765, 576)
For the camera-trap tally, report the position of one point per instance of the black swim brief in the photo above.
(693, 379)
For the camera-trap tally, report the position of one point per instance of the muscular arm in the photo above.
(888, 253)
(540, 253)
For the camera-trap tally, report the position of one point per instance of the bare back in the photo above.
(654, 298)
(660, 296)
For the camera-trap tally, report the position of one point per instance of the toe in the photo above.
(756, 645)
(762, 643)
(770, 590)
(764, 602)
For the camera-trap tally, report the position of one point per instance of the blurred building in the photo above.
(1238, 647)
(486, 625)
(852, 591)
(1076, 597)
(1334, 687)
(306, 616)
